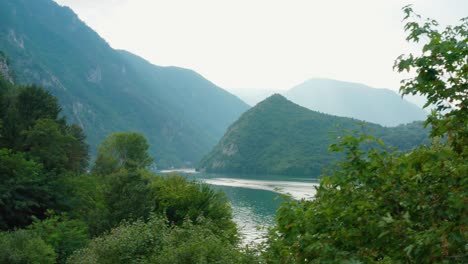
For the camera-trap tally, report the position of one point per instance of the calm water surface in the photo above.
(255, 199)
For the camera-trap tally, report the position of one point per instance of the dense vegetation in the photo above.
(355, 100)
(120, 212)
(377, 205)
(279, 137)
(104, 90)
(37, 149)
(384, 206)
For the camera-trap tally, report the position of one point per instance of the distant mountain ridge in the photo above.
(278, 136)
(380, 106)
(104, 90)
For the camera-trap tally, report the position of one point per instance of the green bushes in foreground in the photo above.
(154, 241)
(24, 246)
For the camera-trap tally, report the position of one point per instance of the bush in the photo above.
(180, 199)
(23, 246)
(191, 243)
(394, 207)
(63, 234)
(156, 242)
(128, 243)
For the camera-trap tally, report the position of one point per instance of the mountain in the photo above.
(278, 136)
(253, 96)
(104, 90)
(380, 106)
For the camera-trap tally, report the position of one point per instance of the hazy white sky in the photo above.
(265, 44)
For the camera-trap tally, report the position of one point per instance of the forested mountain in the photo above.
(51, 208)
(104, 90)
(279, 137)
(380, 106)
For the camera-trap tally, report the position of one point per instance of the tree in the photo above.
(30, 123)
(24, 246)
(127, 197)
(122, 150)
(154, 241)
(441, 75)
(179, 199)
(85, 199)
(24, 190)
(78, 149)
(38, 150)
(382, 205)
(63, 234)
(34, 103)
(46, 143)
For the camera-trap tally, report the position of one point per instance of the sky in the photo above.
(253, 45)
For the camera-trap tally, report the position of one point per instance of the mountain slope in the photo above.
(105, 90)
(279, 137)
(380, 106)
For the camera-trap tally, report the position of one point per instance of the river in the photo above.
(255, 199)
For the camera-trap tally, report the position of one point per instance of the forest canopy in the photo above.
(52, 210)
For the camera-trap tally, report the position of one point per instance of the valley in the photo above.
(109, 154)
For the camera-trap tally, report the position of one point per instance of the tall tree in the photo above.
(35, 103)
(78, 149)
(24, 190)
(122, 150)
(38, 148)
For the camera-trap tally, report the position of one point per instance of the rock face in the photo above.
(5, 71)
(104, 90)
(280, 137)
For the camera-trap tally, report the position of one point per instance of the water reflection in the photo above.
(253, 210)
(255, 199)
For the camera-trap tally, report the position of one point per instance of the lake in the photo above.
(255, 199)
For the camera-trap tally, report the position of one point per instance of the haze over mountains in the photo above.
(278, 136)
(380, 106)
(182, 114)
(105, 90)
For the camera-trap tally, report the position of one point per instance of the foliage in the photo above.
(125, 150)
(63, 234)
(23, 246)
(86, 201)
(381, 205)
(41, 157)
(36, 103)
(23, 190)
(131, 195)
(191, 243)
(179, 199)
(441, 75)
(279, 137)
(46, 143)
(127, 196)
(127, 243)
(156, 242)
(31, 124)
(77, 151)
(38, 150)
